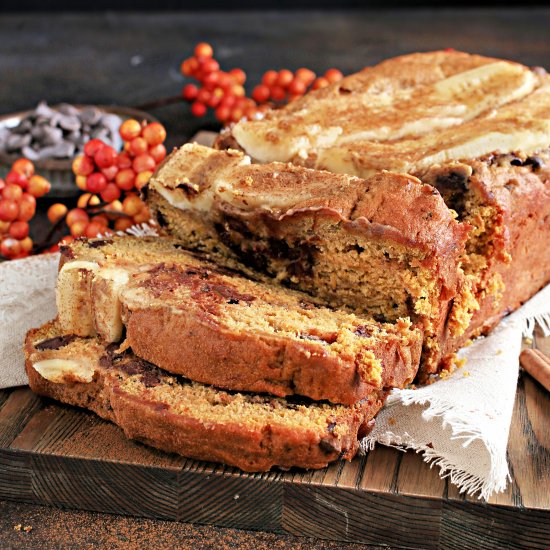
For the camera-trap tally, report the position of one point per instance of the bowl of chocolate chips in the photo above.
(52, 136)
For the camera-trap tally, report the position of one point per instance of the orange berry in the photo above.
(4, 227)
(261, 93)
(131, 205)
(223, 113)
(83, 166)
(129, 129)
(208, 66)
(198, 109)
(158, 152)
(56, 212)
(204, 49)
(96, 182)
(38, 186)
(9, 210)
(101, 219)
(110, 193)
(76, 215)
(12, 192)
(87, 199)
(81, 182)
(154, 133)
(78, 228)
(239, 76)
(143, 163)
(27, 208)
(190, 66)
(189, 92)
(278, 93)
(143, 216)
(16, 178)
(26, 244)
(93, 146)
(334, 75)
(305, 75)
(122, 224)
(284, 78)
(320, 82)
(238, 91)
(297, 87)
(105, 157)
(23, 166)
(19, 230)
(270, 78)
(115, 206)
(138, 146)
(110, 172)
(93, 229)
(126, 178)
(10, 247)
(143, 178)
(124, 160)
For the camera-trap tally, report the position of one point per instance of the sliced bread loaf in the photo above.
(216, 326)
(252, 432)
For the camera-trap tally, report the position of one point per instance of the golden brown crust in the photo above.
(251, 447)
(201, 351)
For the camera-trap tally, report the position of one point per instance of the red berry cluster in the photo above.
(111, 181)
(18, 194)
(224, 91)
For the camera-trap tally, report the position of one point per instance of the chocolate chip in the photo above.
(535, 162)
(232, 301)
(98, 243)
(150, 379)
(55, 343)
(516, 162)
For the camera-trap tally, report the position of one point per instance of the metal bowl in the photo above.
(58, 171)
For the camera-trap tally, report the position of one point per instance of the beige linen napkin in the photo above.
(460, 424)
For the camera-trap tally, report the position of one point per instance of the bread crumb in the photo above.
(17, 527)
(391, 421)
(236, 497)
(498, 352)
(528, 341)
(27, 528)
(466, 373)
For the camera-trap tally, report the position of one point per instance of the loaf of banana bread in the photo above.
(216, 326)
(474, 128)
(252, 432)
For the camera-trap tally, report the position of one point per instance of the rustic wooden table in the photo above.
(131, 59)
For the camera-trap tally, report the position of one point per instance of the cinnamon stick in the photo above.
(537, 365)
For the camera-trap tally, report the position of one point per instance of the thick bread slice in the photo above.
(215, 326)
(252, 432)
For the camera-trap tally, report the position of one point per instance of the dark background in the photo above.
(158, 5)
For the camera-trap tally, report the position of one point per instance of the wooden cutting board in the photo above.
(62, 456)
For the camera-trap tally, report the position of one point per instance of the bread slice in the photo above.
(216, 326)
(252, 432)
(387, 246)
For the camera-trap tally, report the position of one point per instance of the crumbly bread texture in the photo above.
(388, 246)
(214, 325)
(252, 432)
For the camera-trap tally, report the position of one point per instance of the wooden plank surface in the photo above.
(62, 456)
